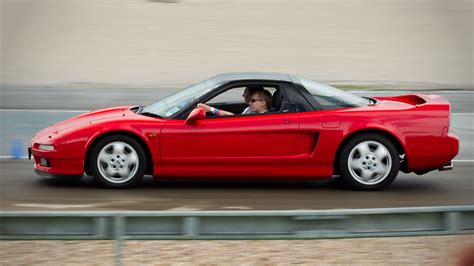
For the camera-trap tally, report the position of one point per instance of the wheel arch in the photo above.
(93, 143)
(388, 135)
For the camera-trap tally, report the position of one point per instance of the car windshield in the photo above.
(170, 105)
(331, 98)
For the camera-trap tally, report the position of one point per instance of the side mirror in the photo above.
(196, 114)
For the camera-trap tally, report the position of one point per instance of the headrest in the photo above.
(277, 98)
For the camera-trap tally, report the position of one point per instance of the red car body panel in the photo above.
(296, 145)
(222, 146)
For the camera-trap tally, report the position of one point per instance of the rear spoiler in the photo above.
(417, 99)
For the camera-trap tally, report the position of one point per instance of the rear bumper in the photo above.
(441, 161)
(450, 146)
(446, 167)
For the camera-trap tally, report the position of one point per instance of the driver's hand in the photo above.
(206, 107)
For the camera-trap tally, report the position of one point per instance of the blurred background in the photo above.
(160, 43)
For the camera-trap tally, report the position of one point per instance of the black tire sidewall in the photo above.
(344, 157)
(141, 162)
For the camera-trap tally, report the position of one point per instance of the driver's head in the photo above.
(249, 90)
(260, 101)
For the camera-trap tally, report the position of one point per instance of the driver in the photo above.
(258, 99)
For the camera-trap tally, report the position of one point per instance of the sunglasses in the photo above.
(255, 100)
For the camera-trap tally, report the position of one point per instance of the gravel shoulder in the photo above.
(430, 250)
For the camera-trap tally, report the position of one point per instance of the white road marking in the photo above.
(183, 208)
(237, 208)
(71, 206)
(12, 157)
(55, 206)
(44, 111)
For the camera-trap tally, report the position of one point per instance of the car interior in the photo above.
(232, 100)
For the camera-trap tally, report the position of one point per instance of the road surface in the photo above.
(22, 189)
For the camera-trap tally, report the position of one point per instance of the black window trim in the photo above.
(305, 95)
(309, 98)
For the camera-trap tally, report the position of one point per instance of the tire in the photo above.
(369, 162)
(118, 162)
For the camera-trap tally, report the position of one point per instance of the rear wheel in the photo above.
(118, 162)
(369, 162)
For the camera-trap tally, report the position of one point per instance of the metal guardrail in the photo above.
(294, 224)
(236, 225)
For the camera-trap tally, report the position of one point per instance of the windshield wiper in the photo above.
(150, 114)
(371, 100)
(140, 109)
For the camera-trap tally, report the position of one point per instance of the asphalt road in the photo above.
(22, 189)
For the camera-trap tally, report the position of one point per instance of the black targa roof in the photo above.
(227, 77)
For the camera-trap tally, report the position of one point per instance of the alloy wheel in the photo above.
(118, 162)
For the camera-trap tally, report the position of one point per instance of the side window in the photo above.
(271, 89)
(234, 101)
(298, 102)
(331, 98)
(234, 95)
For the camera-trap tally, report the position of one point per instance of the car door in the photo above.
(228, 145)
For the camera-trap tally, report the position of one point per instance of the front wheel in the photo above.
(369, 162)
(118, 162)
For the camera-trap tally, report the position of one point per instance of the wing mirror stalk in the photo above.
(195, 115)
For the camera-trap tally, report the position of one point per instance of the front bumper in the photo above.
(47, 175)
(58, 163)
(60, 167)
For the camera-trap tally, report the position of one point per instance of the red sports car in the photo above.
(311, 131)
